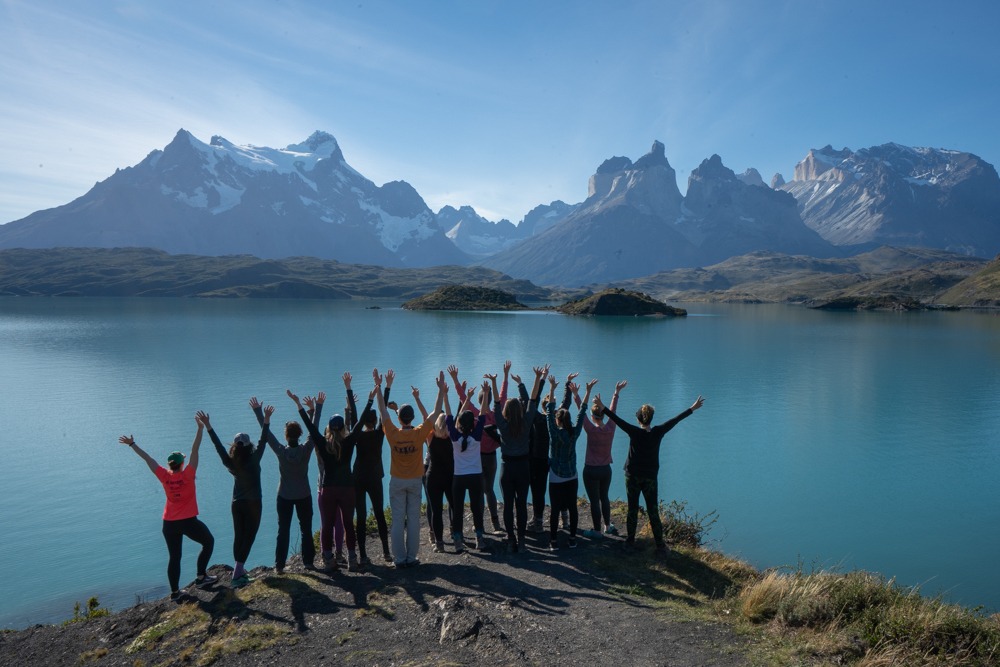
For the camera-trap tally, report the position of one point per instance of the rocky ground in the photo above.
(596, 604)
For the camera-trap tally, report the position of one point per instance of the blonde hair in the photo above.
(645, 414)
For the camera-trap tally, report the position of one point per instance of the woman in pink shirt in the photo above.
(597, 465)
(180, 514)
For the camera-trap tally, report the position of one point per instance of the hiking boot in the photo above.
(180, 597)
(205, 580)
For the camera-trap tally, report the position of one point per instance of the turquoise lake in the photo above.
(827, 440)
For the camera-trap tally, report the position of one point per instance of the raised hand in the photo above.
(254, 403)
(553, 382)
(571, 377)
(506, 367)
(371, 394)
(453, 372)
(573, 387)
(310, 402)
(203, 416)
(377, 378)
(293, 397)
(620, 385)
(346, 377)
(490, 376)
(590, 385)
(698, 403)
(321, 398)
(415, 391)
(268, 411)
(127, 440)
(599, 403)
(390, 375)
(515, 378)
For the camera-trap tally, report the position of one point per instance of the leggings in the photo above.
(562, 495)
(474, 485)
(303, 507)
(489, 482)
(373, 488)
(334, 501)
(246, 521)
(597, 482)
(438, 487)
(539, 481)
(649, 489)
(174, 533)
(515, 476)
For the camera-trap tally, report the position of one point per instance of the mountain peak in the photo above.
(319, 143)
(656, 156)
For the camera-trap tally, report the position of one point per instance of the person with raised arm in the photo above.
(180, 513)
(294, 492)
(642, 466)
(368, 475)
(488, 446)
(563, 481)
(597, 464)
(242, 461)
(466, 436)
(406, 449)
(538, 464)
(440, 472)
(513, 420)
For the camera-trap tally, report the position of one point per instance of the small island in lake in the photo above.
(619, 301)
(465, 297)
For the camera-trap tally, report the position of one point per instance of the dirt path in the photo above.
(595, 604)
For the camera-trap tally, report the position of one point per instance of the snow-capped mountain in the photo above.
(900, 196)
(635, 222)
(220, 198)
(474, 234)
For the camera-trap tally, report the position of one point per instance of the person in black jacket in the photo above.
(643, 465)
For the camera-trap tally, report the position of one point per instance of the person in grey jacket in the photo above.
(294, 490)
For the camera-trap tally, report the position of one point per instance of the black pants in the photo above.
(246, 522)
(174, 533)
(473, 484)
(562, 496)
(439, 488)
(303, 508)
(489, 462)
(515, 478)
(539, 481)
(373, 488)
(597, 482)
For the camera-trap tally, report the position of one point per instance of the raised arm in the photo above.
(272, 440)
(265, 428)
(443, 389)
(352, 419)
(503, 387)
(618, 390)
(439, 403)
(314, 433)
(223, 454)
(420, 404)
(492, 377)
(150, 461)
(382, 410)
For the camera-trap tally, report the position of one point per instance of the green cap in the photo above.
(176, 457)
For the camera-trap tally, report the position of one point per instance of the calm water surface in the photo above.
(829, 440)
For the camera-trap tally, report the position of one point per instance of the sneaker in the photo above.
(497, 528)
(400, 565)
(459, 543)
(438, 547)
(553, 546)
(180, 597)
(480, 542)
(535, 525)
(364, 560)
(572, 543)
(329, 564)
(430, 538)
(611, 530)
(352, 563)
(241, 581)
(590, 533)
(386, 556)
(205, 580)
(279, 569)
(339, 558)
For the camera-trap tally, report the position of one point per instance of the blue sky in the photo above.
(498, 105)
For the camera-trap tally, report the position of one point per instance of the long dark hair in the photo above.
(466, 422)
(513, 412)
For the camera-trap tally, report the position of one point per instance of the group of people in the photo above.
(444, 455)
